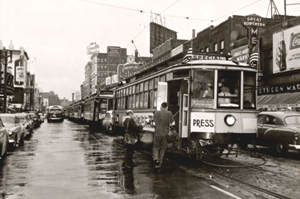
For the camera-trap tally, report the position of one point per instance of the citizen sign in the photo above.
(286, 88)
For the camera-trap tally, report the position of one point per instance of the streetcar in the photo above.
(91, 110)
(74, 111)
(55, 113)
(212, 99)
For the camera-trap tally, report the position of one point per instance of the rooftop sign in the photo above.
(256, 21)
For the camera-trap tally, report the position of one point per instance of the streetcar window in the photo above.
(146, 85)
(151, 98)
(133, 101)
(203, 89)
(249, 90)
(141, 87)
(137, 100)
(155, 82)
(154, 99)
(229, 89)
(146, 100)
(151, 84)
(141, 100)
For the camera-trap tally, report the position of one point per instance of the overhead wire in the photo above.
(167, 15)
(171, 5)
(241, 8)
(141, 10)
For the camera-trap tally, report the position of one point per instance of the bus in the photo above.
(212, 99)
(55, 113)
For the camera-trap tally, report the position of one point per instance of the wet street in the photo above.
(65, 160)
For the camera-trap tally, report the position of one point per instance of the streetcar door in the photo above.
(162, 94)
(184, 104)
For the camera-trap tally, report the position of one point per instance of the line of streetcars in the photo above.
(15, 128)
(212, 99)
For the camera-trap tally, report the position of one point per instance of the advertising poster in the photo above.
(20, 76)
(286, 50)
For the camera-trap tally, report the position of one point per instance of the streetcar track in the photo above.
(213, 183)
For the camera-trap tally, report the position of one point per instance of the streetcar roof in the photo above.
(217, 62)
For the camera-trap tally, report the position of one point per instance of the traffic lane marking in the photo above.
(225, 192)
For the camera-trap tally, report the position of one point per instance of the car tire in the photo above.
(21, 141)
(281, 149)
(5, 148)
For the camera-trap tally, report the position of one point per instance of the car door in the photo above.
(274, 129)
(262, 124)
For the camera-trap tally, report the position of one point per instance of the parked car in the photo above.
(14, 126)
(36, 119)
(280, 130)
(3, 140)
(27, 123)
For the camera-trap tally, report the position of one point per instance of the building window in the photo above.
(216, 47)
(222, 45)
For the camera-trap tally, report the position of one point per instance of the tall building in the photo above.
(100, 66)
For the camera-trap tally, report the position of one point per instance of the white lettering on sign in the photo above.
(202, 122)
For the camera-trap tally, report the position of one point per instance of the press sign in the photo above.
(202, 122)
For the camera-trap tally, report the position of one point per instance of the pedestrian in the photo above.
(162, 119)
(131, 131)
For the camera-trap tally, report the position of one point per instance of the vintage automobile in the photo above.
(15, 128)
(3, 140)
(35, 119)
(27, 123)
(280, 130)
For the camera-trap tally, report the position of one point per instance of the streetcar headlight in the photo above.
(229, 120)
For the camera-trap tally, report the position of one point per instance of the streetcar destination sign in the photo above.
(191, 57)
(202, 122)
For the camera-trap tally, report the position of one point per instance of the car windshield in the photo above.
(293, 120)
(9, 121)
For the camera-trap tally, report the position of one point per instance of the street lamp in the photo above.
(4, 55)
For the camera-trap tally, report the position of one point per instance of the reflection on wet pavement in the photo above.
(65, 160)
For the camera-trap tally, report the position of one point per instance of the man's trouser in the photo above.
(159, 148)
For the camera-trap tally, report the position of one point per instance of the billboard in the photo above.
(159, 34)
(286, 50)
(20, 75)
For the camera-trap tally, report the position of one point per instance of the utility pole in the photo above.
(5, 81)
(284, 11)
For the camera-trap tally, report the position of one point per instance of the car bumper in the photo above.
(55, 118)
(11, 141)
(294, 146)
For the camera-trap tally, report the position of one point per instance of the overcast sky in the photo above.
(55, 33)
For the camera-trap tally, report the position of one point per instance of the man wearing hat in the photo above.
(131, 131)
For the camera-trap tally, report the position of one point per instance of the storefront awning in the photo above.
(279, 99)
